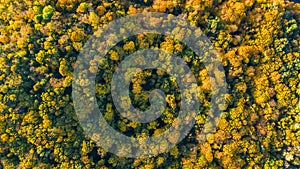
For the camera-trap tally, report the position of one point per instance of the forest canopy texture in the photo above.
(257, 41)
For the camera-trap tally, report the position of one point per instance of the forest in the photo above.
(258, 44)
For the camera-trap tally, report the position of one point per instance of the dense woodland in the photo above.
(257, 40)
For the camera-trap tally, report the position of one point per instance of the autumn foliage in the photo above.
(257, 41)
